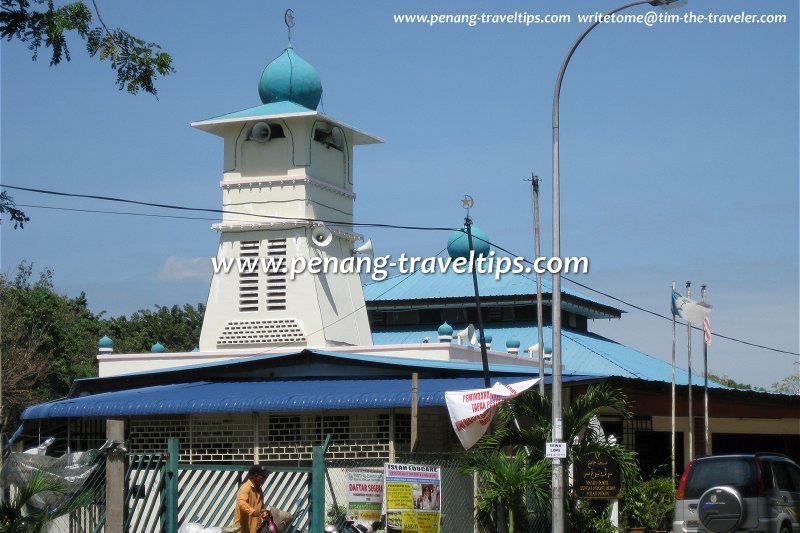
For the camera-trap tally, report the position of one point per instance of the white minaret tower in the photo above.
(287, 190)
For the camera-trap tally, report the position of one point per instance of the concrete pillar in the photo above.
(115, 479)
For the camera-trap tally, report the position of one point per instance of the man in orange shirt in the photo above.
(250, 510)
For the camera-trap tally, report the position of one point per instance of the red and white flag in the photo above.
(471, 411)
(707, 330)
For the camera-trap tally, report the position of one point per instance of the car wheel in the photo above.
(720, 509)
(785, 528)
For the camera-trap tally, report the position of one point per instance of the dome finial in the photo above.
(288, 18)
(289, 78)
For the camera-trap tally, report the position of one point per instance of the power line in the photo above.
(659, 315)
(219, 211)
(112, 212)
(334, 223)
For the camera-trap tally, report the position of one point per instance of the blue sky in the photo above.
(679, 151)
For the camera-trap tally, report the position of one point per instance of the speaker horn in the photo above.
(330, 136)
(365, 249)
(261, 132)
(467, 334)
(321, 236)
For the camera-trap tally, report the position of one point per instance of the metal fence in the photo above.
(207, 493)
(459, 493)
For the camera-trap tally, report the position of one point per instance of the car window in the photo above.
(735, 472)
(794, 473)
(786, 476)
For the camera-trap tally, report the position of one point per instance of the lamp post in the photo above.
(558, 467)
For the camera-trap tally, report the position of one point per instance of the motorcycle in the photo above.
(349, 526)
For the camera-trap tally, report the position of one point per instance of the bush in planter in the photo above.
(649, 504)
(590, 516)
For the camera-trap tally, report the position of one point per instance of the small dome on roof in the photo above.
(105, 342)
(488, 338)
(512, 342)
(458, 243)
(290, 78)
(445, 329)
(157, 348)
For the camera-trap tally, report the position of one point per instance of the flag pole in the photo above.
(672, 456)
(689, 356)
(705, 373)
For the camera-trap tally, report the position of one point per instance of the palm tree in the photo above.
(520, 430)
(19, 515)
(506, 478)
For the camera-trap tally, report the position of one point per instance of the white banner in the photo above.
(364, 495)
(471, 411)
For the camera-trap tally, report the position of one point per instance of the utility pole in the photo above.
(539, 311)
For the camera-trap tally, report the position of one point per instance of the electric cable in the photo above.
(364, 225)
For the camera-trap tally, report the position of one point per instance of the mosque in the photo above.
(284, 360)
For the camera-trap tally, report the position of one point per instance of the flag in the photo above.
(707, 330)
(471, 411)
(689, 310)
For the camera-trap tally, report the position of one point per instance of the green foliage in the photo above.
(507, 480)
(177, 328)
(788, 385)
(336, 514)
(50, 339)
(517, 440)
(649, 504)
(7, 205)
(17, 515)
(591, 516)
(728, 382)
(137, 63)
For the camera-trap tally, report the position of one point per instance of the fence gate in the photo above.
(162, 494)
(144, 497)
(207, 493)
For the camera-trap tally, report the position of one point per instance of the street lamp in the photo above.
(558, 468)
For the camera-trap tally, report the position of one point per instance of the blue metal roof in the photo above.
(264, 110)
(450, 284)
(582, 352)
(255, 396)
(244, 367)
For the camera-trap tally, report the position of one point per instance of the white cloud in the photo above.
(185, 269)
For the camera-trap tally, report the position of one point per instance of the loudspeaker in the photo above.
(261, 132)
(330, 136)
(365, 249)
(467, 334)
(321, 236)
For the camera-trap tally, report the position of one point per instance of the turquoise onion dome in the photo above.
(445, 329)
(487, 338)
(458, 243)
(513, 342)
(157, 348)
(290, 78)
(105, 342)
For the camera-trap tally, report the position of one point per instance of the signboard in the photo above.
(555, 450)
(364, 495)
(413, 495)
(597, 476)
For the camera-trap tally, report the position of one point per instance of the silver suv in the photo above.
(728, 493)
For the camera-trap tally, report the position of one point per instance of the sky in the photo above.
(679, 151)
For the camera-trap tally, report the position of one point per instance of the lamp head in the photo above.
(668, 4)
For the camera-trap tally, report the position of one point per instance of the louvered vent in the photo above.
(248, 276)
(276, 275)
(285, 331)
